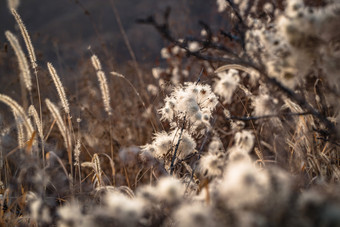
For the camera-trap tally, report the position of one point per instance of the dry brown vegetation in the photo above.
(238, 129)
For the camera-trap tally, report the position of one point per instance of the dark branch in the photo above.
(251, 118)
(164, 30)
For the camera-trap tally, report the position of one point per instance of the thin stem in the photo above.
(250, 118)
(199, 155)
(128, 45)
(40, 115)
(176, 149)
(138, 95)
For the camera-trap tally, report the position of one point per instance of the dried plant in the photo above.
(252, 140)
(26, 38)
(60, 88)
(103, 84)
(25, 75)
(61, 125)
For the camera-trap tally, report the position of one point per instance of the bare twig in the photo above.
(176, 149)
(250, 118)
(244, 65)
(164, 30)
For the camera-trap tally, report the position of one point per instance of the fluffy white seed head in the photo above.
(39, 212)
(227, 83)
(147, 193)
(268, 7)
(192, 101)
(264, 104)
(162, 143)
(193, 46)
(71, 213)
(126, 210)
(194, 215)
(157, 72)
(238, 155)
(187, 144)
(165, 53)
(129, 154)
(152, 89)
(148, 152)
(244, 140)
(222, 5)
(244, 186)
(216, 146)
(170, 190)
(211, 165)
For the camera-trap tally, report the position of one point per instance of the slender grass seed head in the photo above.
(13, 4)
(59, 87)
(25, 74)
(26, 38)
